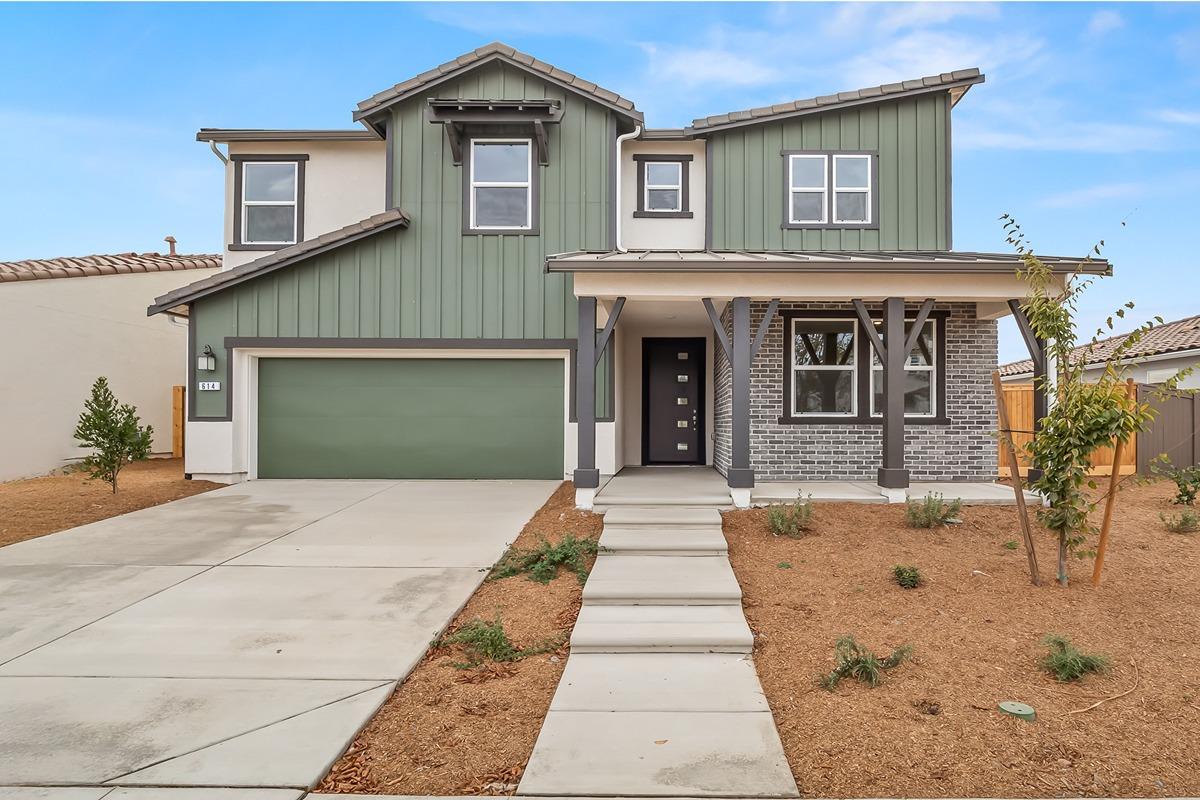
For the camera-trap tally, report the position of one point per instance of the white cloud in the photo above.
(1093, 195)
(1178, 116)
(1103, 22)
(1025, 132)
(707, 66)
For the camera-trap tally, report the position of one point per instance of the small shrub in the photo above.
(852, 660)
(932, 511)
(1187, 484)
(1011, 544)
(791, 520)
(1066, 663)
(487, 641)
(1187, 521)
(542, 563)
(784, 565)
(908, 577)
(114, 433)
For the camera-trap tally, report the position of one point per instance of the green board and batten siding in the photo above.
(748, 176)
(432, 281)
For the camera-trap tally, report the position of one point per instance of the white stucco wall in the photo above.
(662, 234)
(343, 183)
(58, 336)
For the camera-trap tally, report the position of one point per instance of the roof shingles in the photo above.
(1170, 337)
(102, 264)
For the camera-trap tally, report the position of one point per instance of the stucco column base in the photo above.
(217, 477)
(741, 497)
(585, 499)
(894, 495)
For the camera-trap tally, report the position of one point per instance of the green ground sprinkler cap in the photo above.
(1021, 710)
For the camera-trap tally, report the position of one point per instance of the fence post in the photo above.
(178, 415)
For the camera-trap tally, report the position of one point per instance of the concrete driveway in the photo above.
(237, 638)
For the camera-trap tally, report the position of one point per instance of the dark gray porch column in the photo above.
(1041, 372)
(893, 475)
(586, 474)
(741, 476)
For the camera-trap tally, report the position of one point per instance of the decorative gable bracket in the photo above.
(458, 115)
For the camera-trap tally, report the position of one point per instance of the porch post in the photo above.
(740, 475)
(587, 477)
(1038, 350)
(892, 475)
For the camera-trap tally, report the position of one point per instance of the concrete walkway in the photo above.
(660, 697)
(238, 638)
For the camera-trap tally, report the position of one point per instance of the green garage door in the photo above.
(410, 418)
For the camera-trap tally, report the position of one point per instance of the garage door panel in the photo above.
(410, 418)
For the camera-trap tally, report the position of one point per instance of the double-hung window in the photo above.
(852, 189)
(664, 186)
(920, 374)
(808, 189)
(270, 203)
(501, 185)
(824, 379)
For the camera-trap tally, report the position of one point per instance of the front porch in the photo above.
(860, 378)
(704, 486)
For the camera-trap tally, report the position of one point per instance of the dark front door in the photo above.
(673, 401)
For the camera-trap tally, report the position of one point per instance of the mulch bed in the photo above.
(931, 728)
(450, 731)
(36, 506)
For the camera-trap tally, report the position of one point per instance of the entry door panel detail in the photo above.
(673, 401)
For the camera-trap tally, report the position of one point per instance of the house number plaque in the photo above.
(209, 386)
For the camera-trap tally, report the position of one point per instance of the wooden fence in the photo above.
(1019, 398)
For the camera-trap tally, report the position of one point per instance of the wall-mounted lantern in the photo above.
(207, 360)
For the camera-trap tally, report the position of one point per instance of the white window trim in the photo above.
(930, 368)
(852, 368)
(294, 202)
(677, 187)
(863, 191)
(823, 189)
(527, 185)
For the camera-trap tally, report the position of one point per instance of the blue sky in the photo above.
(1090, 116)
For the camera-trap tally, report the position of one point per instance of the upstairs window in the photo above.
(808, 179)
(269, 197)
(663, 186)
(852, 189)
(501, 185)
(829, 190)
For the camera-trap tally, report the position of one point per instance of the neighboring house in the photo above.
(1158, 356)
(499, 222)
(65, 322)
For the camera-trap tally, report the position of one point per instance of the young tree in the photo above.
(113, 432)
(1083, 415)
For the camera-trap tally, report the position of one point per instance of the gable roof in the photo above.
(115, 264)
(1170, 337)
(957, 83)
(284, 257)
(496, 51)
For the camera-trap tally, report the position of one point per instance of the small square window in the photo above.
(663, 187)
(808, 188)
(267, 213)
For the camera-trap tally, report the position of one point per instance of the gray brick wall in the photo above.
(964, 450)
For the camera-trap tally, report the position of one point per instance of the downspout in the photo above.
(636, 132)
(213, 146)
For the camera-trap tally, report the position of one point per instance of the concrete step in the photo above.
(662, 580)
(661, 629)
(660, 517)
(609, 500)
(640, 682)
(623, 541)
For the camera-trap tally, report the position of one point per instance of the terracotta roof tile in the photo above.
(1170, 337)
(102, 264)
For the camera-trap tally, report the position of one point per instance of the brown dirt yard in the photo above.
(36, 506)
(448, 731)
(976, 628)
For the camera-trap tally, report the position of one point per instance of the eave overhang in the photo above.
(225, 135)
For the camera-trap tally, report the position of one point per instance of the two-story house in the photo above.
(505, 274)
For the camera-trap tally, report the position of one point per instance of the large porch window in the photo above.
(832, 375)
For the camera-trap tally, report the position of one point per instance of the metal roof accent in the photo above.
(284, 257)
(492, 52)
(811, 261)
(115, 264)
(956, 82)
(297, 135)
(1170, 337)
